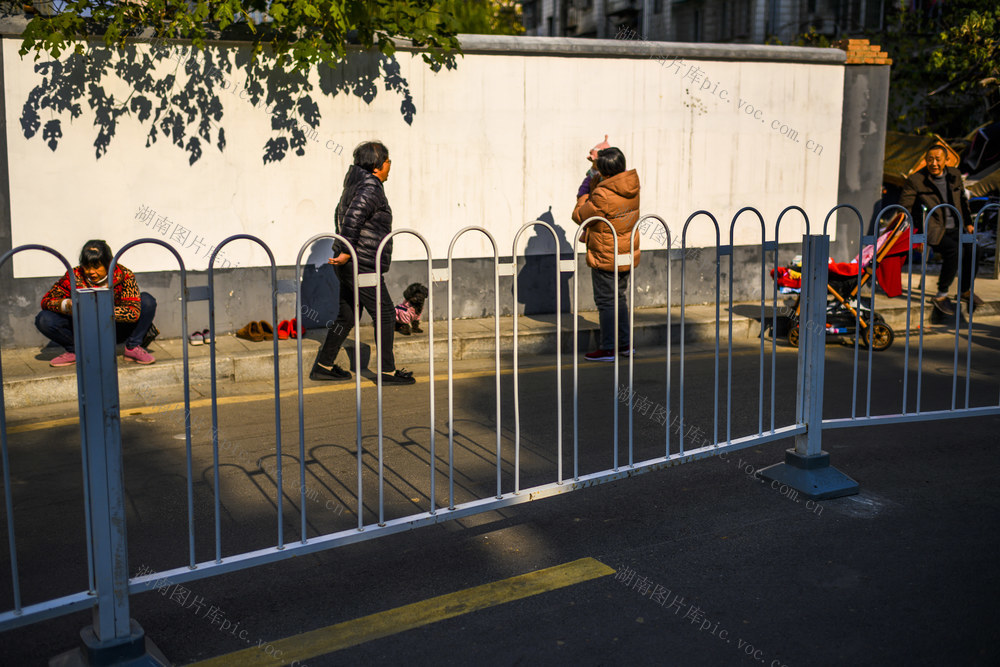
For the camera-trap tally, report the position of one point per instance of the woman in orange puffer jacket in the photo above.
(613, 195)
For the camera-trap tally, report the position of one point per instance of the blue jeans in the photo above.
(59, 328)
(604, 299)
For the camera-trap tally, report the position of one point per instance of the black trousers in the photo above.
(604, 299)
(337, 334)
(949, 249)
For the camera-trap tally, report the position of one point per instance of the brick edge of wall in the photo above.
(862, 52)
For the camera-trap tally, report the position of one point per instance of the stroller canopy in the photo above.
(890, 251)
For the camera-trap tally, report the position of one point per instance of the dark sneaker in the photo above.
(626, 351)
(976, 301)
(401, 376)
(600, 355)
(321, 374)
(944, 305)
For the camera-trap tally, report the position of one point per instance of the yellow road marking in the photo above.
(307, 391)
(383, 624)
(41, 426)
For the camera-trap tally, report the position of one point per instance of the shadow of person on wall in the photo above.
(320, 288)
(175, 93)
(535, 278)
(321, 302)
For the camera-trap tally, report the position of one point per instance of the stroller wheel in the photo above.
(793, 334)
(879, 336)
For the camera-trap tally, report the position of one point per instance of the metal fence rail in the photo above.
(109, 587)
(906, 414)
(75, 601)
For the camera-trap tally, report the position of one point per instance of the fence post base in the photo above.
(135, 651)
(812, 476)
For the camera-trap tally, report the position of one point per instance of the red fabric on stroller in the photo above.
(889, 270)
(784, 278)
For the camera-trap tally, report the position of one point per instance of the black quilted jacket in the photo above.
(364, 218)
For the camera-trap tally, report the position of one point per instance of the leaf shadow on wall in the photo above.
(176, 95)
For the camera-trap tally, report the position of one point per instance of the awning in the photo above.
(904, 155)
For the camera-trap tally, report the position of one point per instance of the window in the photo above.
(531, 10)
(736, 19)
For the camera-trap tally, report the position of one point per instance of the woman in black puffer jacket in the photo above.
(364, 219)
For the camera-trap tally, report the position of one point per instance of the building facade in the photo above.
(717, 21)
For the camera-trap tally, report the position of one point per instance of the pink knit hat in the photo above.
(601, 146)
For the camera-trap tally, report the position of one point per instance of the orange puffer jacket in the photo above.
(617, 200)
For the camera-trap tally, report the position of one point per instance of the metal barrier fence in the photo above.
(806, 467)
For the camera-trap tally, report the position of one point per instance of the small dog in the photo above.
(408, 312)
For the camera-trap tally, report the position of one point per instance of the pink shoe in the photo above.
(64, 359)
(139, 355)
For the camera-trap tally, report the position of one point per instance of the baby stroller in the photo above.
(843, 287)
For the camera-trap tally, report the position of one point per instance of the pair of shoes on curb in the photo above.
(944, 305)
(976, 301)
(401, 376)
(288, 329)
(256, 331)
(139, 355)
(64, 359)
(200, 337)
(335, 374)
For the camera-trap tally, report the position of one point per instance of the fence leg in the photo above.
(807, 467)
(114, 638)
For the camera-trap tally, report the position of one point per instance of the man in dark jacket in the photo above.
(933, 185)
(364, 218)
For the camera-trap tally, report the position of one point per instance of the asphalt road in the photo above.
(713, 566)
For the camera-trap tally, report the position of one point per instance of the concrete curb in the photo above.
(244, 362)
(29, 381)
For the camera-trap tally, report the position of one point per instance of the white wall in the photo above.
(495, 143)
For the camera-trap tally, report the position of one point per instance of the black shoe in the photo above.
(399, 377)
(416, 327)
(944, 305)
(976, 301)
(403, 329)
(335, 374)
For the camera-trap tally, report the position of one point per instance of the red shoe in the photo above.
(293, 328)
(283, 327)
